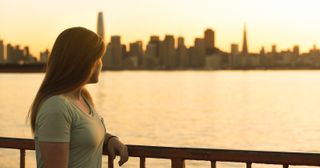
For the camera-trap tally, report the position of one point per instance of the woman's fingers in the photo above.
(123, 155)
(119, 147)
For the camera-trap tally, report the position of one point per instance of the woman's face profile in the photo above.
(94, 78)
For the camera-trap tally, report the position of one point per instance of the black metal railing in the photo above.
(178, 156)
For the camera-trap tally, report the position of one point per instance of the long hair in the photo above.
(69, 66)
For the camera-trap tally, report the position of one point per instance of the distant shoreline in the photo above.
(40, 68)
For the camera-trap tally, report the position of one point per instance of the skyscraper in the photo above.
(234, 49)
(296, 50)
(182, 54)
(100, 25)
(18, 53)
(167, 52)
(44, 56)
(209, 39)
(234, 55)
(262, 51)
(180, 42)
(198, 54)
(114, 54)
(10, 53)
(152, 50)
(245, 42)
(155, 40)
(274, 49)
(135, 49)
(152, 53)
(107, 63)
(117, 51)
(1, 51)
(262, 57)
(26, 51)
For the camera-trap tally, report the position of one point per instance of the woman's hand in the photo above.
(114, 145)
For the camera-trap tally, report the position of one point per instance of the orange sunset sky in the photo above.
(37, 23)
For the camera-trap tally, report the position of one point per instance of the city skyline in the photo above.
(172, 53)
(269, 22)
(100, 30)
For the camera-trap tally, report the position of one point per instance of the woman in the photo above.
(68, 131)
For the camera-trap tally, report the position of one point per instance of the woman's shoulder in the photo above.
(54, 109)
(55, 99)
(54, 102)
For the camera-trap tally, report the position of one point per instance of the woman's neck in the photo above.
(75, 95)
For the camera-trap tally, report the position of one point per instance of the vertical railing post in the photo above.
(142, 162)
(213, 164)
(285, 166)
(177, 163)
(110, 162)
(22, 158)
(249, 165)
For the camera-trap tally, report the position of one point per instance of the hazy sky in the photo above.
(283, 22)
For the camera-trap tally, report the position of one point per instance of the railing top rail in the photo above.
(267, 157)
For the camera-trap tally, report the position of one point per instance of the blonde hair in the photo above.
(69, 66)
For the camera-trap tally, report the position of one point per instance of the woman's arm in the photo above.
(115, 145)
(55, 154)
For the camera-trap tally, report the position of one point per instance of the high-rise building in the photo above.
(26, 51)
(245, 42)
(180, 42)
(18, 53)
(1, 51)
(107, 62)
(209, 39)
(155, 41)
(262, 51)
(198, 53)
(107, 59)
(152, 50)
(136, 51)
(296, 50)
(116, 51)
(135, 48)
(274, 49)
(233, 59)
(182, 54)
(14, 54)
(234, 49)
(10, 53)
(114, 54)
(167, 52)
(100, 25)
(26, 56)
(44, 56)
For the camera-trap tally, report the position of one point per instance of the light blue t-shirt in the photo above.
(60, 120)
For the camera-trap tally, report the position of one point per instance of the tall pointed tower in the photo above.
(100, 25)
(245, 42)
(107, 60)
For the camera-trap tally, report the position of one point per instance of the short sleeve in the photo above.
(53, 122)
